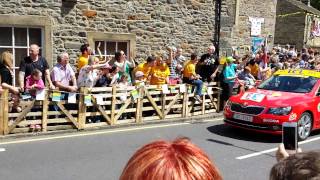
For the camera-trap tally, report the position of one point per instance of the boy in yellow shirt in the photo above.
(85, 53)
(160, 73)
(190, 76)
(146, 67)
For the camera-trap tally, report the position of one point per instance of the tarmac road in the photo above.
(103, 154)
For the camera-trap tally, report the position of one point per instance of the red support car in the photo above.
(287, 96)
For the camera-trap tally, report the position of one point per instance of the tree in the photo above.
(315, 4)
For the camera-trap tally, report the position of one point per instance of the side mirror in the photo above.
(318, 93)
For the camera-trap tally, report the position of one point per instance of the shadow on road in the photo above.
(241, 134)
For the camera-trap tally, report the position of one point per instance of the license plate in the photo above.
(243, 117)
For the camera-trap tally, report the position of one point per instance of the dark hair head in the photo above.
(35, 72)
(84, 48)
(194, 56)
(151, 59)
(117, 55)
(299, 166)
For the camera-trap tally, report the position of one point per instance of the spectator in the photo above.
(34, 82)
(124, 65)
(190, 76)
(160, 73)
(89, 74)
(62, 74)
(180, 58)
(208, 65)
(174, 66)
(175, 160)
(6, 77)
(302, 165)
(85, 53)
(247, 78)
(104, 77)
(254, 68)
(34, 61)
(139, 79)
(229, 74)
(146, 67)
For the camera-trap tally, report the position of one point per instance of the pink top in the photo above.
(30, 81)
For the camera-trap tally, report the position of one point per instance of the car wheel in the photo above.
(304, 126)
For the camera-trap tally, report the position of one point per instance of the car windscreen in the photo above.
(295, 84)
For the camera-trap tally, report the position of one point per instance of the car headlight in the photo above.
(280, 111)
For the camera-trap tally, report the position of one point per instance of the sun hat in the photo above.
(139, 74)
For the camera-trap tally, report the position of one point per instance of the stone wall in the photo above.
(289, 28)
(236, 27)
(184, 23)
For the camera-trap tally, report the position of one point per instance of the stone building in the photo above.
(236, 25)
(139, 27)
(294, 24)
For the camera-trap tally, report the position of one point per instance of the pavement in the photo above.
(102, 154)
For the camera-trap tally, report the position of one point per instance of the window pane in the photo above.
(20, 54)
(101, 47)
(20, 36)
(123, 46)
(35, 36)
(111, 48)
(5, 36)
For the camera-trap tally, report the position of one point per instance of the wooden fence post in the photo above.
(218, 100)
(139, 106)
(82, 108)
(5, 112)
(163, 105)
(185, 102)
(2, 99)
(45, 106)
(203, 104)
(113, 104)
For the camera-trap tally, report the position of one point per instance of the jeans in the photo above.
(197, 83)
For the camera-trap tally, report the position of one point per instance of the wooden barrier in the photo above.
(107, 106)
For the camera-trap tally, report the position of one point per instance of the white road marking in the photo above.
(79, 134)
(273, 149)
(2, 149)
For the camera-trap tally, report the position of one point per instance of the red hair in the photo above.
(177, 160)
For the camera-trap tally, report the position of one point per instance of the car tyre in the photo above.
(304, 126)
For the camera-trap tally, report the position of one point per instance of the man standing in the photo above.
(208, 65)
(85, 53)
(62, 74)
(34, 61)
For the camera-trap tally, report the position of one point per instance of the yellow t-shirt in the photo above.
(143, 67)
(254, 69)
(159, 75)
(189, 70)
(82, 61)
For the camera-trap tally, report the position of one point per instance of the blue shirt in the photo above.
(229, 72)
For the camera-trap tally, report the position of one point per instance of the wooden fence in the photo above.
(107, 106)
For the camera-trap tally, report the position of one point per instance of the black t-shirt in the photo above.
(208, 63)
(27, 66)
(6, 76)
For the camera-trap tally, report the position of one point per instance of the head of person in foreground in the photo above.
(177, 160)
(305, 165)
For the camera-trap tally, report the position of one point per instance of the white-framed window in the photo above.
(17, 40)
(108, 48)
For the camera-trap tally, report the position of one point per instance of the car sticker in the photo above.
(257, 97)
(276, 94)
(318, 108)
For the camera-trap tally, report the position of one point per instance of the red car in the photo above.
(287, 96)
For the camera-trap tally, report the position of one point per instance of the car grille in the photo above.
(255, 110)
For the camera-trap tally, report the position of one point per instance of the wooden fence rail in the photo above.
(107, 106)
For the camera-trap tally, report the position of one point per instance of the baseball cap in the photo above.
(229, 59)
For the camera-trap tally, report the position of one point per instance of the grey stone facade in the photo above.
(183, 23)
(155, 24)
(236, 27)
(293, 24)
